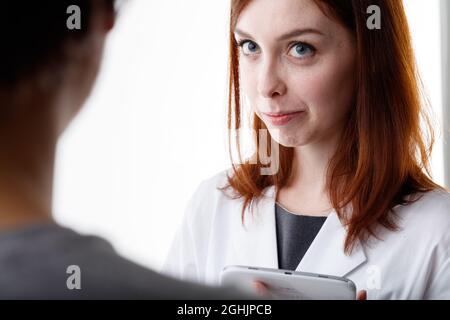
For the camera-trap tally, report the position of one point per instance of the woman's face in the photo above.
(296, 69)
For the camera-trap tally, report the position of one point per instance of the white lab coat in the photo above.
(412, 263)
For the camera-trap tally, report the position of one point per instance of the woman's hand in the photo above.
(362, 295)
(263, 290)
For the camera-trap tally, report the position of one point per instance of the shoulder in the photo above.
(210, 198)
(218, 187)
(48, 238)
(428, 215)
(57, 254)
(216, 181)
(214, 188)
(432, 205)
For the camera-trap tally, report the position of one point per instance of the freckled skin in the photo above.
(273, 80)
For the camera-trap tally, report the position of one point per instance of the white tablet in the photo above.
(287, 285)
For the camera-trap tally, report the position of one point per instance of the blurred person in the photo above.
(46, 73)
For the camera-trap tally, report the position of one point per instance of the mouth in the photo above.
(281, 119)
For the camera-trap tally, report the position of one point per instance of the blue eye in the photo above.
(248, 47)
(302, 50)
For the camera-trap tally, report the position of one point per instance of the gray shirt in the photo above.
(295, 233)
(34, 264)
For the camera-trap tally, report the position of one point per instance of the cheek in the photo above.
(327, 89)
(247, 81)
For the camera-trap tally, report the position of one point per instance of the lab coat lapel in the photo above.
(256, 242)
(326, 253)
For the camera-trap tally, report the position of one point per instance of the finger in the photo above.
(261, 288)
(362, 295)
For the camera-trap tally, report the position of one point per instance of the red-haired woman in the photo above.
(349, 191)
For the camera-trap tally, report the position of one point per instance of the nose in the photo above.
(270, 82)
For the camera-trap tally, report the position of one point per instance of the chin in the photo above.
(288, 141)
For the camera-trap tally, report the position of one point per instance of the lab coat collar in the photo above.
(325, 255)
(256, 241)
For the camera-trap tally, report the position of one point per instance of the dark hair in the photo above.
(33, 34)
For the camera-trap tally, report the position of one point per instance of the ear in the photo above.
(110, 21)
(107, 13)
(110, 18)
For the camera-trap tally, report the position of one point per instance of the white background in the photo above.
(155, 124)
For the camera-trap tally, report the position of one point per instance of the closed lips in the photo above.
(278, 115)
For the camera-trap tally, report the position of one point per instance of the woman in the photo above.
(350, 195)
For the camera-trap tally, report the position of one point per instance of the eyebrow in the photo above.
(288, 35)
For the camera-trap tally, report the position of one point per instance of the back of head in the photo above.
(34, 33)
(50, 49)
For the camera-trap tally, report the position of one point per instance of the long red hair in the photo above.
(383, 155)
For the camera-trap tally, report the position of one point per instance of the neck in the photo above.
(305, 191)
(310, 164)
(28, 142)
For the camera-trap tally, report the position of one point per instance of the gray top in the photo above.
(34, 262)
(295, 233)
